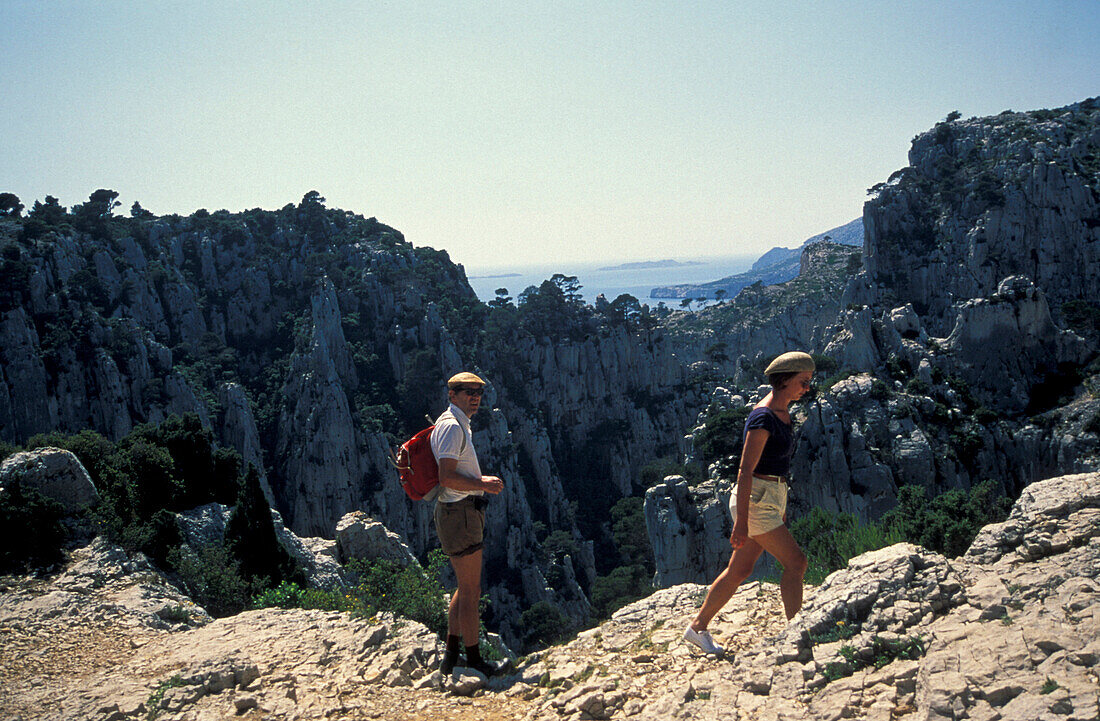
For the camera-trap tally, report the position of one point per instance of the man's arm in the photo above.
(450, 478)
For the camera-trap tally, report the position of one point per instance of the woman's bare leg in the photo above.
(780, 543)
(733, 575)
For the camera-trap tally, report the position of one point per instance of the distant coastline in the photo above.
(498, 275)
(650, 264)
(636, 281)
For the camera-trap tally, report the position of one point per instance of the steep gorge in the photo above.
(311, 339)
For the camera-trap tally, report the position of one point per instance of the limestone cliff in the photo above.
(960, 347)
(987, 198)
(311, 340)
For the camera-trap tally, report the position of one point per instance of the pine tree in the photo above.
(250, 535)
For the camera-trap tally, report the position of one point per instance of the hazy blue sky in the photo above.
(507, 132)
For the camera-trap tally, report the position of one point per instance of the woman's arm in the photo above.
(750, 456)
(449, 477)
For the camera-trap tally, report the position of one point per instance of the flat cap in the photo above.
(464, 378)
(794, 361)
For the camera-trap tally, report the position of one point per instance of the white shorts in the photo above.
(767, 505)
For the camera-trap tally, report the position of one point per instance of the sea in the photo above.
(608, 278)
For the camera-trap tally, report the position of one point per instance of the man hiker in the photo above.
(460, 518)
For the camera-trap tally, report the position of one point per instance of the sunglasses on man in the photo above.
(471, 391)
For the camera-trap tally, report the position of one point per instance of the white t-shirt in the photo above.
(452, 438)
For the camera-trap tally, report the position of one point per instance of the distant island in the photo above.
(499, 275)
(648, 264)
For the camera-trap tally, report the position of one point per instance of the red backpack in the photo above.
(417, 467)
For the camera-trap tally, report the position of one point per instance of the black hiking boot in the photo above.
(488, 668)
(477, 663)
(447, 665)
(450, 655)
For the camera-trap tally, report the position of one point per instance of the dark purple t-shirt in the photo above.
(776, 458)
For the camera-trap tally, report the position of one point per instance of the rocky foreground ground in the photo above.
(1011, 630)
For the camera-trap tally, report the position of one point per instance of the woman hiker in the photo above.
(759, 502)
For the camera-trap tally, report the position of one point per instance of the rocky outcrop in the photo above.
(987, 198)
(360, 536)
(1008, 630)
(689, 529)
(106, 640)
(1003, 344)
(316, 557)
(53, 472)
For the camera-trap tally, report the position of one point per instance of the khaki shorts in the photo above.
(461, 525)
(767, 505)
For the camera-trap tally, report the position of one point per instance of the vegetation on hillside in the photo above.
(143, 481)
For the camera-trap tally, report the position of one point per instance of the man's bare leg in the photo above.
(462, 615)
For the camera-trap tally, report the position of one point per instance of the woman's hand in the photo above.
(740, 534)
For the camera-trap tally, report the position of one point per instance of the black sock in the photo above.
(473, 655)
(454, 645)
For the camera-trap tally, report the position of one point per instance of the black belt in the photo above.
(478, 502)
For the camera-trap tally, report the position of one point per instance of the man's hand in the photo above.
(492, 484)
(740, 534)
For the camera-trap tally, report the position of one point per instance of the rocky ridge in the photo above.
(290, 333)
(1008, 631)
(987, 198)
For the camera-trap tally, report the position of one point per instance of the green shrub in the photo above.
(883, 652)
(1055, 388)
(830, 540)
(721, 436)
(949, 523)
(1093, 425)
(289, 594)
(656, 471)
(544, 624)
(250, 536)
(985, 417)
(898, 368)
(623, 585)
(629, 532)
(411, 592)
(558, 545)
(1083, 318)
(825, 365)
(376, 586)
(212, 578)
(917, 387)
(841, 631)
(31, 534)
(7, 449)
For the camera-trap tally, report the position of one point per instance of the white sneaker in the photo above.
(703, 640)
